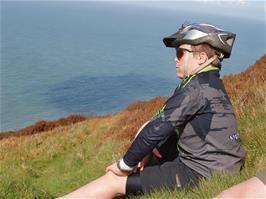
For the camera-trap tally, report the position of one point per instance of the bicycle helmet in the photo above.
(222, 41)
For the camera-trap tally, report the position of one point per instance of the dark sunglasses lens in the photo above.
(179, 53)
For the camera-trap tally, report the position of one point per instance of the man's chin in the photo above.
(179, 76)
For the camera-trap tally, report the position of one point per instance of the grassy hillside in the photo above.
(59, 160)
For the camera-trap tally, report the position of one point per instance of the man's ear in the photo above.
(202, 57)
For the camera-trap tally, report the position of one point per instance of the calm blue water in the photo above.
(60, 58)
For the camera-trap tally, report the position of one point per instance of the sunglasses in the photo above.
(181, 51)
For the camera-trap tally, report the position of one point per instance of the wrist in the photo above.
(121, 165)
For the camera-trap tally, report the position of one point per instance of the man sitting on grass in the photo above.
(192, 136)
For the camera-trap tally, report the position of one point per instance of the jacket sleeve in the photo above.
(178, 110)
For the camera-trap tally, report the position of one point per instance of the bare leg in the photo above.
(252, 188)
(105, 187)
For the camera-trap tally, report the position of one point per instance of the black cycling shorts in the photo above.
(169, 172)
(171, 175)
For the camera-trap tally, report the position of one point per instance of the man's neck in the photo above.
(209, 68)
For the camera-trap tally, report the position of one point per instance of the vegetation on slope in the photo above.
(57, 161)
(43, 125)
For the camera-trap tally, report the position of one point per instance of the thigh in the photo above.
(106, 186)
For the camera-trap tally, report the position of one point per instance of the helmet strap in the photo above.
(204, 65)
(186, 63)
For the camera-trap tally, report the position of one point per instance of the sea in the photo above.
(94, 58)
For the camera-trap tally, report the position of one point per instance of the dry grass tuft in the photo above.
(43, 125)
(247, 89)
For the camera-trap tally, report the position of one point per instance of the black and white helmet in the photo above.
(195, 34)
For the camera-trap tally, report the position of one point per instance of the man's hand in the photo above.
(156, 153)
(140, 166)
(113, 168)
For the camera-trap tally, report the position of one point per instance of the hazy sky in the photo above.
(252, 9)
(239, 8)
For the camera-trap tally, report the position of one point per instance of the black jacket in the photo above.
(201, 113)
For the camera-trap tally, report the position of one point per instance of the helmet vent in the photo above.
(194, 34)
(230, 41)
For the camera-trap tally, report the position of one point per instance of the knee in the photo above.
(116, 182)
(111, 176)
